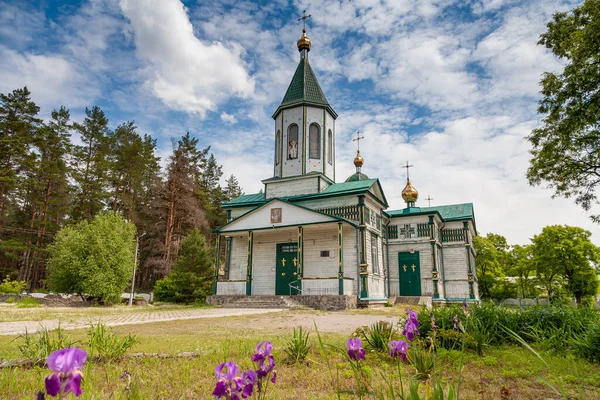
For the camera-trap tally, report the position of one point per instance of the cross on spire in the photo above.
(304, 18)
(407, 168)
(358, 139)
(429, 198)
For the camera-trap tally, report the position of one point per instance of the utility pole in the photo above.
(135, 261)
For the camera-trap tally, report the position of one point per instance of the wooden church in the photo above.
(336, 245)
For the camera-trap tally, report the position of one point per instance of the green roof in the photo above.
(448, 213)
(304, 86)
(246, 200)
(337, 189)
(357, 176)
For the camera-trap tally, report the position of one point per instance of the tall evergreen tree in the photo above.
(133, 164)
(91, 164)
(19, 125)
(49, 195)
(232, 189)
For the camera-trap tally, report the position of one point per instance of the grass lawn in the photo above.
(234, 339)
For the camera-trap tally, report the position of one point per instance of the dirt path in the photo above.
(19, 327)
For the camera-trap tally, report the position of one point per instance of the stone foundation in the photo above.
(318, 302)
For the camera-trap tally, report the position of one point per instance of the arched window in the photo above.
(278, 148)
(314, 142)
(292, 142)
(330, 147)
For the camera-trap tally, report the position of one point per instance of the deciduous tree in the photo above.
(566, 148)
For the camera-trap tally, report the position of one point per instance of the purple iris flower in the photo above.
(249, 379)
(355, 350)
(65, 365)
(410, 330)
(263, 350)
(414, 318)
(398, 348)
(228, 383)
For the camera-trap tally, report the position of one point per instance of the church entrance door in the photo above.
(286, 267)
(409, 270)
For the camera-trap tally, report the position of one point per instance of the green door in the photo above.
(285, 271)
(409, 270)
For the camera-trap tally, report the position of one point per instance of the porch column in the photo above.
(364, 273)
(341, 258)
(300, 257)
(217, 262)
(249, 265)
(470, 276)
(435, 276)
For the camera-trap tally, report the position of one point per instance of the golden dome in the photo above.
(358, 160)
(409, 193)
(304, 42)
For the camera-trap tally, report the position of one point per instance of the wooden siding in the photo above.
(292, 187)
(424, 249)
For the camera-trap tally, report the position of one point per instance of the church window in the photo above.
(278, 148)
(330, 147)
(292, 142)
(374, 253)
(314, 142)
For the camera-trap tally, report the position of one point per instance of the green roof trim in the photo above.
(452, 212)
(337, 189)
(304, 86)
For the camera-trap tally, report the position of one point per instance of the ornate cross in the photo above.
(407, 167)
(429, 198)
(358, 139)
(304, 18)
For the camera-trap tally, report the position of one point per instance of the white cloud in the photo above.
(185, 72)
(228, 118)
(52, 79)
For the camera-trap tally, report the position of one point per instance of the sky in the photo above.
(449, 85)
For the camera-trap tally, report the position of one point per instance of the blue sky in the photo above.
(451, 86)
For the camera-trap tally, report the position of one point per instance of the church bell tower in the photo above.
(304, 128)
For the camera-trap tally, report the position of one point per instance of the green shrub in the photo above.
(297, 347)
(93, 258)
(587, 345)
(377, 335)
(105, 345)
(9, 286)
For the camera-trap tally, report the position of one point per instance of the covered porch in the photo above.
(311, 254)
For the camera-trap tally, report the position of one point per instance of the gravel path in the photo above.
(19, 327)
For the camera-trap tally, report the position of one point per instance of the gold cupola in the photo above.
(304, 42)
(410, 194)
(358, 160)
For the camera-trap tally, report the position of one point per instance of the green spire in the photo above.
(304, 86)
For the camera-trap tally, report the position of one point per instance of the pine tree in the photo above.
(91, 164)
(133, 164)
(19, 125)
(232, 189)
(49, 195)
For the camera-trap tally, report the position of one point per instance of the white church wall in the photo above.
(290, 215)
(239, 257)
(264, 255)
(317, 239)
(314, 115)
(329, 124)
(455, 271)
(292, 116)
(293, 187)
(350, 259)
